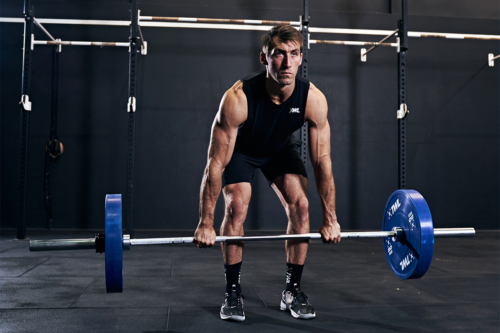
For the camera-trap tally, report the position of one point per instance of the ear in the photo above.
(263, 59)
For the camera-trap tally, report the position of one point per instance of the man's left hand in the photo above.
(330, 232)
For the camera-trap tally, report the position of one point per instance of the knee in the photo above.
(300, 208)
(236, 210)
(299, 216)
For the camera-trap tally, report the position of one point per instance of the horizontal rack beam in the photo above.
(343, 42)
(214, 20)
(206, 26)
(259, 28)
(410, 33)
(75, 43)
(451, 36)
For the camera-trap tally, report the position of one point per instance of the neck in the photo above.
(277, 92)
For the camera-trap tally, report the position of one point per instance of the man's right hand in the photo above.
(204, 236)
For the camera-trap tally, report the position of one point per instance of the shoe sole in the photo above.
(284, 307)
(233, 317)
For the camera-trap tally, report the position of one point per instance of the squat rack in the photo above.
(54, 147)
(137, 44)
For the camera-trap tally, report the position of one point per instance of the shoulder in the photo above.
(315, 95)
(317, 106)
(234, 98)
(233, 106)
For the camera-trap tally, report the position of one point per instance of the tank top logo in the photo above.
(294, 110)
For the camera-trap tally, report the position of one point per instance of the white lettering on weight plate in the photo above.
(406, 261)
(389, 246)
(395, 206)
(411, 220)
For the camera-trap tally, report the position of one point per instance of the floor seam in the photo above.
(255, 289)
(29, 270)
(91, 283)
(3, 251)
(168, 319)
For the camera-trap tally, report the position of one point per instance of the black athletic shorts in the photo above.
(241, 167)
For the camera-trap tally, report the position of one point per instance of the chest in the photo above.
(265, 117)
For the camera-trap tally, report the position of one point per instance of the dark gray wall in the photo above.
(453, 97)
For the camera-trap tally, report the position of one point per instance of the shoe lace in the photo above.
(299, 296)
(233, 299)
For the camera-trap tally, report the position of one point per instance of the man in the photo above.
(252, 130)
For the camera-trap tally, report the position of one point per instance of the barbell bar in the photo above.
(407, 231)
(90, 243)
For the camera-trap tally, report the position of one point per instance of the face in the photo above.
(283, 61)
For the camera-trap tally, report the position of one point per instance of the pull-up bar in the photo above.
(59, 42)
(178, 24)
(214, 20)
(452, 36)
(76, 43)
(345, 42)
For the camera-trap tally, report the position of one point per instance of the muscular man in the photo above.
(252, 130)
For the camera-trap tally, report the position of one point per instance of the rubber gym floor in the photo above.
(179, 288)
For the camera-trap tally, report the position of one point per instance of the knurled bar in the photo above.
(214, 20)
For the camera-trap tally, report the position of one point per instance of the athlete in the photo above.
(251, 130)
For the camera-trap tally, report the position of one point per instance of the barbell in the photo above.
(407, 231)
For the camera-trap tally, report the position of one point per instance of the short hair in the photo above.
(285, 33)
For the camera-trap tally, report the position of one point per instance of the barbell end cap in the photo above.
(126, 243)
(400, 234)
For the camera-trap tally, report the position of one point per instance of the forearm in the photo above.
(326, 189)
(209, 193)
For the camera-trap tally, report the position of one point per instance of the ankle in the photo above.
(293, 276)
(232, 274)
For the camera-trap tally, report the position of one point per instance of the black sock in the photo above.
(293, 275)
(232, 273)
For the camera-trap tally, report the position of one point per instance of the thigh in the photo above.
(238, 170)
(291, 189)
(287, 161)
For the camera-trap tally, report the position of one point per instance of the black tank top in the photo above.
(269, 126)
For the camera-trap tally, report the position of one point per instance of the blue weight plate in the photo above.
(114, 240)
(410, 257)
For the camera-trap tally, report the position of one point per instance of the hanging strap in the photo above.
(54, 147)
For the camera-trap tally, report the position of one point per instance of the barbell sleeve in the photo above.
(454, 232)
(62, 244)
